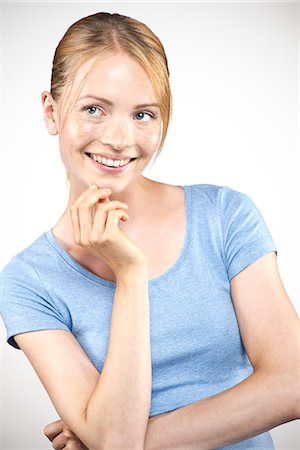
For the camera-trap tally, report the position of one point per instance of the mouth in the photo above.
(110, 165)
(110, 162)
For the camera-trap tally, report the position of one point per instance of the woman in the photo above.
(153, 314)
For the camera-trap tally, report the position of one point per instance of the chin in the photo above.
(116, 186)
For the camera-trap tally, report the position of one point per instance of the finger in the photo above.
(89, 198)
(75, 445)
(101, 216)
(58, 445)
(125, 218)
(74, 210)
(64, 438)
(75, 223)
(85, 213)
(113, 218)
(95, 193)
(53, 429)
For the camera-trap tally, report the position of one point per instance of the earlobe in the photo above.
(50, 113)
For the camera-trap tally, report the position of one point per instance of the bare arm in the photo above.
(270, 396)
(110, 410)
(123, 394)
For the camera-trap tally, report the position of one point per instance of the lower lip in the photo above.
(108, 169)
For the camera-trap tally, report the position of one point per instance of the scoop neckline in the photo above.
(153, 281)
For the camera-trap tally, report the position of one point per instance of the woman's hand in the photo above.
(62, 437)
(95, 223)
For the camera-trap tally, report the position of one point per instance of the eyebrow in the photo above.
(108, 102)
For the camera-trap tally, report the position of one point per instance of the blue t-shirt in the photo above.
(196, 346)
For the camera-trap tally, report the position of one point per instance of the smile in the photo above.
(110, 162)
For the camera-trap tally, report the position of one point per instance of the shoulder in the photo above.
(21, 263)
(216, 199)
(22, 271)
(211, 200)
(202, 192)
(25, 302)
(216, 193)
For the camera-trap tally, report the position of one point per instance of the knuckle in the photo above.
(118, 213)
(68, 433)
(94, 239)
(105, 237)
(101, 206)
(77, 239)
(108, 237)
(85, 242)
(87, 203)
(113, 212)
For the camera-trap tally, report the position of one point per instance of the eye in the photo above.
(142, 114)
(92, 110)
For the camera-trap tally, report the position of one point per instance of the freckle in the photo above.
(80, 130)
(88, 127)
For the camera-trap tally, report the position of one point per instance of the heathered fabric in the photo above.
(196, 346)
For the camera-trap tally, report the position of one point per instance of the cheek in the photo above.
(148, 139)
(77, 134)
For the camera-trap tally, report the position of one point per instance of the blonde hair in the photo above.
(104, 33)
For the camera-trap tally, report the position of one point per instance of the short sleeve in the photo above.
(24, 303)
(245, 234)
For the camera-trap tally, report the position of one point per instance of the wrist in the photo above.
(138, 272)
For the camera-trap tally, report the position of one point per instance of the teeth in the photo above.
(110, 162)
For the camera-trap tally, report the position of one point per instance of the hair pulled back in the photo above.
(105, 33)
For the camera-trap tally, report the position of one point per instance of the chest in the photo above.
(193, 326)
(161, 237)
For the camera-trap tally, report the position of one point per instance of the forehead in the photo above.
(117, 77)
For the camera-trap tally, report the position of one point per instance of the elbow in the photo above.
(117, 443)
(286, 389)
(290, 386)
(107, 433)
(293, 379)
(110, 439)
(121, 437)
(296, 397)
(297, 409)
(282, 385)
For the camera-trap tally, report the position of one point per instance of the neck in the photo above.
(140, 196)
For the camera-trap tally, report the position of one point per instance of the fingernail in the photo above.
(107, 190)
(124, 204)
(93, 186)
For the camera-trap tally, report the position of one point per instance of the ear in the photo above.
(50, 112)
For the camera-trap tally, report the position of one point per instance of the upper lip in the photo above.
(108, 156)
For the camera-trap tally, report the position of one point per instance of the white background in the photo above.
(234, 76)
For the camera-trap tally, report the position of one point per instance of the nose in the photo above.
(117, 133)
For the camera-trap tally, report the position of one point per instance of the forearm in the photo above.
(118, 410)
(254, 406)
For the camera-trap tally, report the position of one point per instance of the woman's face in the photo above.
(114, 128)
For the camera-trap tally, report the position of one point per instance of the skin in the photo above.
(264, 312)
(95, 228)
(118, 130)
